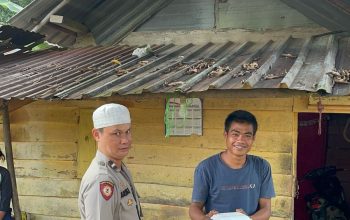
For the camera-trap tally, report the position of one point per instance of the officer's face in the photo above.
(114, 141)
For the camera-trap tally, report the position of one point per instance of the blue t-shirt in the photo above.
(224, 189)
(5, 189)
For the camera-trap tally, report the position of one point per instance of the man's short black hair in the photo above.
(241, 116)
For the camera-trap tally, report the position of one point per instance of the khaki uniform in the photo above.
(108, 193)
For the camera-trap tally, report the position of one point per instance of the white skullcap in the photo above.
(110, 114)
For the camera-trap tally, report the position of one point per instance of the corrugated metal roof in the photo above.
(298, 64)
(108, 21)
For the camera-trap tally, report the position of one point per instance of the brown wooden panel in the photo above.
(331, 100)
(168, 212)
(278, 142)
(164, 212)
(279, 218)
(45, 113)
(164, 175)
(44, 150)
(51, 206)
(267, 120)
(181, 196)
(45, 168)
(47, 217)
(281, 163)
(86, 143)
(43, 131)
(264, 104)
(282, 206)
(162, 194)
(212, 138)
(147, 116)
(300, 103)
(48, 187)
(283, 184)
(183, 177)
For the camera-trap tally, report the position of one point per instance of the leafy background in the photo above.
(6, 13)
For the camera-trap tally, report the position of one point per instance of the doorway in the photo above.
(330, 147)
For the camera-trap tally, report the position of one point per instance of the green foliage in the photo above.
(22, 3)
(10, 5)
(10, 8)
(5, 15)
(42, 46)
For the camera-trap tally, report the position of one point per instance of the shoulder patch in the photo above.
(106, 189)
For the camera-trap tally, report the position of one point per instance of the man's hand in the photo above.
(241, 211)
(264, 211)
(196, 212)
(211, 213)
(2, 214)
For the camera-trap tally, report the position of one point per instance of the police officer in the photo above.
(107, 191)
(5, 191)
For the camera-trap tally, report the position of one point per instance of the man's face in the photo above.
(239, 138)
(114, 141)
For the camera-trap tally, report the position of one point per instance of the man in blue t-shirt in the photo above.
(233, 181)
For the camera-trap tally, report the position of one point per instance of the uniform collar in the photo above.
(103, 159)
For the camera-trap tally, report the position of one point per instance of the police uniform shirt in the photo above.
(108, 193)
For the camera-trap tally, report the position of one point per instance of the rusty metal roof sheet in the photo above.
(318, 64)
(108, 21)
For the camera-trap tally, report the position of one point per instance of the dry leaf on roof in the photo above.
(288, 55)
(219, 71)
(200, 66)
(250, 66)
(176, 83)
(143, 62)
(272, 76)
(116, 62)
(340, 76)
(120, 72)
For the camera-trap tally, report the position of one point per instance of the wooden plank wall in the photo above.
(45, 141)
(53, 147)
(163, 167)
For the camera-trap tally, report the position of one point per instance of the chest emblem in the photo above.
(130, 202)
(106, 189)
(122, 185)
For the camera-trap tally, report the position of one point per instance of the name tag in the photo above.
(125, 192)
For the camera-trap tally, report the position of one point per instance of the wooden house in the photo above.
(279, 65)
